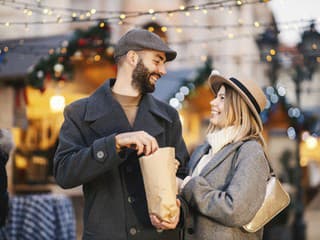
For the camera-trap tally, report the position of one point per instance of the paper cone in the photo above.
(159, 177)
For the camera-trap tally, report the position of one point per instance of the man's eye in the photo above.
(156, 61)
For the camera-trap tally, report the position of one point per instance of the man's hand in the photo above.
(164, 225)
(140, 141)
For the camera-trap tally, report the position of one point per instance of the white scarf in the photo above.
(217, 141)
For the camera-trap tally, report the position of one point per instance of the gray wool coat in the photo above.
(221, 203)
(115, 206)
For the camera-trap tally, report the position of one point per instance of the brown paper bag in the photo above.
(159, 177)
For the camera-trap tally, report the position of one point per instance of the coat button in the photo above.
(100, 154)
(133, 231)
(190, 231)
(131, 199)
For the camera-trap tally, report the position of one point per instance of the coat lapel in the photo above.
(147, 117)
(106, 115)
(196, 156)
(219, 157)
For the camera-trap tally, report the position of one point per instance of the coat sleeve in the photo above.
(76, 163)
(237, 204)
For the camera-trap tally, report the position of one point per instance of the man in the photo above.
(104, 135)
(6, 145)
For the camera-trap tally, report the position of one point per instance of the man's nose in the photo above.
(162, 69)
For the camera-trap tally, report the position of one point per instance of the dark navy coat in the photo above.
(115, 203)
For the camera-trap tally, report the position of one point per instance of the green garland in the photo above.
(202, 76)
(84, 44)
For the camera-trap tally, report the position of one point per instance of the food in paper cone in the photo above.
(159, 177)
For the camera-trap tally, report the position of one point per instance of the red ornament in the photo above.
(82, 42)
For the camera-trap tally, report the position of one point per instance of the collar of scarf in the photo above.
(217, 140)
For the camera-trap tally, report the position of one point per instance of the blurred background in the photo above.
(54, 52)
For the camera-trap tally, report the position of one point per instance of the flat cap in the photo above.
(141, 39)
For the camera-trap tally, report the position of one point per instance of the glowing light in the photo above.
(311, 142)
(57, 103)
(256, 24)
(203, 58)
(274, 98)
(268, 58)
(314, 46)
(270, 90)
(164, 29)
(273, 52)
(174, 102)
(97, 58)
(282, 91)
(184, 90)
(291, 133)
(179, 96)
(230, 35)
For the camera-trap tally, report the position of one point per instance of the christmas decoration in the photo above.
(91, 46)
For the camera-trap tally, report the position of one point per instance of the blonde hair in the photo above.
(240, 116)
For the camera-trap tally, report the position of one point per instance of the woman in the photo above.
(228, 173)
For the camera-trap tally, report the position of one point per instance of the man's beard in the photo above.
(141, 78)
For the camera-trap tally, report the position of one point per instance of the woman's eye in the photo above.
(156, 61)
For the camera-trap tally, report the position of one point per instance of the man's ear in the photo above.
(132, 57)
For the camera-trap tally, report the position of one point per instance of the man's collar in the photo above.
(101, 103)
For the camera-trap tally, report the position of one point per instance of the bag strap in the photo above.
(233, 164)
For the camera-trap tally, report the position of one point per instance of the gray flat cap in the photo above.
(141, 39)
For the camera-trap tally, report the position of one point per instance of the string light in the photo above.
(164, 29)
(122, 16)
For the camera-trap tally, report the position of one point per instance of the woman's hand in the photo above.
(164, 225)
